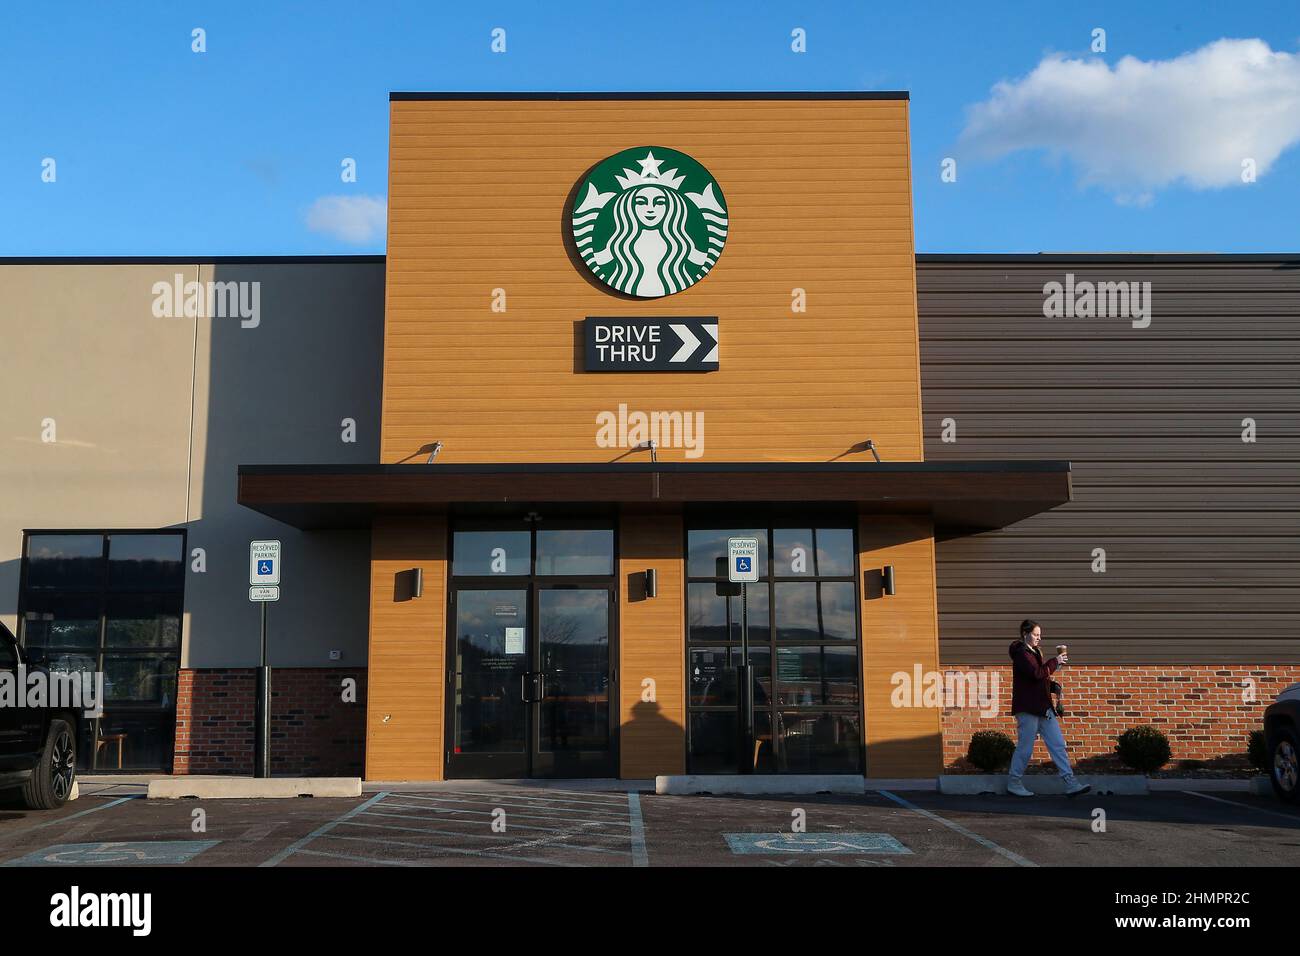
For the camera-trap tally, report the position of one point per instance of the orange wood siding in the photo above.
(652, 739)
(819, 199)
(899, 632)
(407, 652)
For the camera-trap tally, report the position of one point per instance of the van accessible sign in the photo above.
(651, 344)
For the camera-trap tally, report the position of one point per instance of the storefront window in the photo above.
(491, 553)
(581, 551)
(112, 603)
(803, 652)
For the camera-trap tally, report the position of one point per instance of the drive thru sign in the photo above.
(742, 560)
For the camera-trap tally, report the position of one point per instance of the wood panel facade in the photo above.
(815, 300)
(1200, 529)
(819, 199)
(405, 701)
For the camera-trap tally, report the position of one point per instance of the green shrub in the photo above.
(1143, 748)
(1257, 750)
(990, 750)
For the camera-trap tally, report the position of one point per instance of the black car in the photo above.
(1282, 736)
(38, 745)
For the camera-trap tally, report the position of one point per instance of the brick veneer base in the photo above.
(313, 732)
(1200, 709)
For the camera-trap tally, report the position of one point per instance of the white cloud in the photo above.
(1144, 125)
(354, 219)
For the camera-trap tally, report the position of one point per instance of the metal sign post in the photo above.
(264, 587)
(742, 569)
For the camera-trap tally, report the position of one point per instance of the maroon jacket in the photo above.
(1031, 680)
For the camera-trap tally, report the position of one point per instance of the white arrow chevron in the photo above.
(689, 343)
(713, 331)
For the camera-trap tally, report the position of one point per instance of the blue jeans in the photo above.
(1030, 729)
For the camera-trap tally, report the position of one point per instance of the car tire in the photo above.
(1283, 770)
(51, 781)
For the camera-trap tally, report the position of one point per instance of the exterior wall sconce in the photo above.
(409, 584)
(887, 580)
(651, 583)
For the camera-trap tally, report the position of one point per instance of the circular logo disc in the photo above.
(649, 221)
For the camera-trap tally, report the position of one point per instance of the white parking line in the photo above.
(546, 840)
(298, 845)
(1293, 820)
(1015, 858)
(639, 855)
(503, 801)
(73, 816)
(517, 814)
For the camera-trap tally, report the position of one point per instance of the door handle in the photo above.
(541, 685)
(523, 695)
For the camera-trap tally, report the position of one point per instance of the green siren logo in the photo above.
(646, 230)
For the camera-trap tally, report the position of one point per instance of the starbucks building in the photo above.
(611, 333)
(618, 331)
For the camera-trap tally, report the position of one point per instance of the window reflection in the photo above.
(576, 552)
(803, 648)
(490, 553)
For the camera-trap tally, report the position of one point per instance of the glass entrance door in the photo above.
(573, 730)
(489, 683)
(532, 699)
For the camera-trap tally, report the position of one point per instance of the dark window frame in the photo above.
(101, 594)
(771, 522)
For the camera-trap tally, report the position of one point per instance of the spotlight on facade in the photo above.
(433, 451)
(871, 447)
(887, 580)
(654, 449)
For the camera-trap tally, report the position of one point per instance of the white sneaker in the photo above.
(1076, 788)
(1016, 788)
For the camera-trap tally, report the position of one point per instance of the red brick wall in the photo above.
(1200, 709)
(313, 732)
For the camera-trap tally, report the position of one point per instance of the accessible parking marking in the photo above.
(818, 844)
(134, 853)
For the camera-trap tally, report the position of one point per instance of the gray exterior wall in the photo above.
(153, 415)
(1201, 530)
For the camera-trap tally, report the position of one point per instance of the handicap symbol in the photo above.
(810, 844)
(263, 567)
(104, 853)
(742, 564)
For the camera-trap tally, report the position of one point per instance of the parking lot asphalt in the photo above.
(496, 825)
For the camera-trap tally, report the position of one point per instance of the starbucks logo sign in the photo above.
(649, 221)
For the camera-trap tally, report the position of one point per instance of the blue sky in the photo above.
(163, 151)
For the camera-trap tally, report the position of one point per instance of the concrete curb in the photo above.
(250, 788)
(759, 784)
(971, 784)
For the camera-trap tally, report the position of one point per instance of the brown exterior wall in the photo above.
(651, 647)
(404, 723)
(819, 199)
(898, 633)
(1201, 530)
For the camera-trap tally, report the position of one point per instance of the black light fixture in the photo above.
(651, 583)
(887, 579)
(410, 584)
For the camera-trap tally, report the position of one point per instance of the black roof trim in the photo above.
(674, 467)
(1144, 258)
(183, 260)
(661, 95)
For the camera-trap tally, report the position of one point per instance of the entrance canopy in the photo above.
(961, 495)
